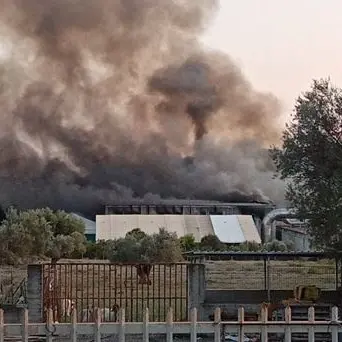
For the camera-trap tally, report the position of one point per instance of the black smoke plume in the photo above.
(106, 100)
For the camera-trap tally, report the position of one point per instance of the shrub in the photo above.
(99, 249)
(275, 246)
(188, 243)
(245, 247)
(137, 234)
(211, 243)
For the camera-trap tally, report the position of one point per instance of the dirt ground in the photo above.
(104, 285)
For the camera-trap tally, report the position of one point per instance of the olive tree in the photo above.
(143, 250)
(40, 233)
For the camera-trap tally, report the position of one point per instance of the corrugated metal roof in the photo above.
(110, 227)
(90, 226)
(235, 228)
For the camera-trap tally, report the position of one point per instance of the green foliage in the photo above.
(310, 158)
(276, 246)
(163, 246)
(65, 246)
(159, 247)
(40, 233)
(137, 234)
(127, 249)
(211, 243)
(252, 246)
(100, 249)
(245, 247)
(188, 243)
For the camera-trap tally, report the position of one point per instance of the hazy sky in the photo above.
(281, 45)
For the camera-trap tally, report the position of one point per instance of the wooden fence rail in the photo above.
(27, 331)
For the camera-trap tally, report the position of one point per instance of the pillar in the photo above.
(35, 293)
(197, 287)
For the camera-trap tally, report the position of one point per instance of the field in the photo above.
(280, 275)
(102, 284)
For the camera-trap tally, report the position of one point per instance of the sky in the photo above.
(281, 46)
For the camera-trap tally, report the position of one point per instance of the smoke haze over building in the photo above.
(103, 100)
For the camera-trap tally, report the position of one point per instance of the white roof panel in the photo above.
(235, 228)
(227, 228)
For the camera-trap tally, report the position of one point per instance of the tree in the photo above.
(162, 247)
(23, 235)
(40, 233)
(310, 158)
(67, 234)
(144, 250)
(159, 247)
(128, 250)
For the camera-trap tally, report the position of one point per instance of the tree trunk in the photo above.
(54, 261)
(144, 271)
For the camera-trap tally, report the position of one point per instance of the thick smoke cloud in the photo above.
(105, 100)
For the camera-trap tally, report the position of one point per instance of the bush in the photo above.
(99, 250)
(211, 243)
(275, 246)
(245, 247)
(188, 243)
(137, 234)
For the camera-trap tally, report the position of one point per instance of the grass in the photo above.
(283, 275)
(104, 284)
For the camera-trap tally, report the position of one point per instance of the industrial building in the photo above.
(232, 223)
(294, 232)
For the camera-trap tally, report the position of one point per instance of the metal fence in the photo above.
(132, 287)
(270, 271)
(241, 330)
(12, 284)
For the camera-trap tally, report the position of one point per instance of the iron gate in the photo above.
(112, 286)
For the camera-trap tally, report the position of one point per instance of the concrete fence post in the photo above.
(197, 288)
(35, 292)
